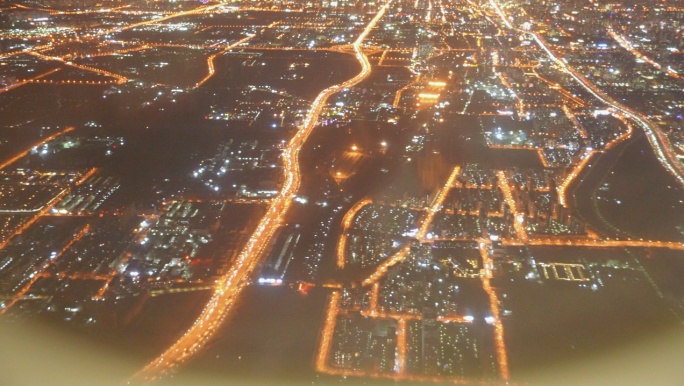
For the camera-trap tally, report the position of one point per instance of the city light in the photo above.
(443, 178)
(231, 284)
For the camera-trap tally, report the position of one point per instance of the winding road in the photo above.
(656, 138)
(229, 286)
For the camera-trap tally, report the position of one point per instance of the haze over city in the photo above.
(341, 192)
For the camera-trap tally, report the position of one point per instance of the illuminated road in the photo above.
(575, 122)
(117, 52)
(373, 303)
(46, 208)
(74, 82)
(195, 11)
(327, 333)
(561, 90)
(332, 311)
(521, 103)
(23, 82)
(583, 242)
(41, 143)
(519, 220)
(542, 158)
(606, 243)
(400, 360)
(38, 273)
(229, 286)
(346, 224)
(661, 146)
(502, 356)
(59, 12)
(119, 78)
(157, 20)
(563, 187)
(382, 58)
(624, 136)
(397, 97)
(422, 231)
(210, 59)
(628, 46)
(326, 338)
(41, 212)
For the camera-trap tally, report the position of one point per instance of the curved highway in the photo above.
(228, 287)
(656, 138)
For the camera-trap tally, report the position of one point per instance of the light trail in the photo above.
(400, 360)
(422, 231)
(38, 274)
(514, 147)
(397, 97)
(34, 218)
(334, 48)
(391, 315)
(210, 60)
(101, 292)
(327, 332)
(73, 82)
(540, 153)
(346, 224)
(502, 356)
(518, 219)
(119, 52)
(180, 290)
(575, 121)
(119, 78)
(59, 12)
(606, 243)
(230, 285)
(582, 242)
(27, 297)
(326, 337)
(382, 268)
(157, 20)
(622, 41)
(661, 146)
(382, 58)
(521, 104)
(373, 306)
(41, 143)
(563, 188)
(624, 136)
(454, 319)
(80, 276)
(23, 82)
(441, 7)
(45, 210)
(186, 13)
(151, 45)
(437, 203)
(121, 263)
(560, 89)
